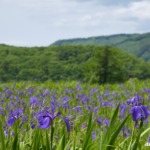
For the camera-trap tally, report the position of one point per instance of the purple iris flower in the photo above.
(24, 119)
(99, 120)
(84, 126)
(92, 91)
(13, 115)
(101, 99)
(123, 107)
(148, 139)
(88, 107)
(65, 99)
(106, 93)
(46, 93)
(33, 100)
(8, 93)
(93, 135)
(2, 112)
(95, 109)
(32, 124)
(107, 104)
(69, 91)
(84, 99)
(106, 122)
(126, 131)
(139, 113)
(78, 87)
(6, 133)
(46, 119)
(136, 100)
(78, 109)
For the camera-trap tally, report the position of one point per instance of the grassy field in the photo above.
(74, 116)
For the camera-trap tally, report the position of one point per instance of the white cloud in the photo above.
(139, 10)
(41, 22)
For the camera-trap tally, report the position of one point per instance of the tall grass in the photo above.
(82, 104)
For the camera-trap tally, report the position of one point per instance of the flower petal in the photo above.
(136, 113)
(11, 121)
(44, 122)
(66, 120)
(146, 112)
(33, 100)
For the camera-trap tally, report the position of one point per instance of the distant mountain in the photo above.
(138, 44)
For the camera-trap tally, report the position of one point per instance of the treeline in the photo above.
(83, 63)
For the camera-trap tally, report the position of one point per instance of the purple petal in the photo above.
(11, 121)
(100, 120)
(66, 120)
(6, 133)
(67, 124)
(17, 113)
(106, 122)
(148, 139)
(146, 112)
(52, 108)
(32, 125)
(136, 113)
(33, 100)
(44, 122)
(93, 135)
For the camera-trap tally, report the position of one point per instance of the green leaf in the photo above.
(60, 145)
(115, 134)
(15, 142)
(123, 142)
(36, 140)
(15, 145)
(47, 141)
(135, 144)
(110, 129)
(2, 137)
(88, 135)
(144, 132)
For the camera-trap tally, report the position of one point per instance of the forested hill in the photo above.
(138, 44)
(83, 63)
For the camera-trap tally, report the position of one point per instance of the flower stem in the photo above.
(52, 134)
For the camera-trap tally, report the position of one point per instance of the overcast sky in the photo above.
(42, 22)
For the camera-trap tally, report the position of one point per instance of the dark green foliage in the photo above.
(84, 63)
(110, 65)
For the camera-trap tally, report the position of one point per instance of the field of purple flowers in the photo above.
(75, 116)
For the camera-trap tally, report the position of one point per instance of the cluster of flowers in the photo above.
(45, 117)
(43, 111)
